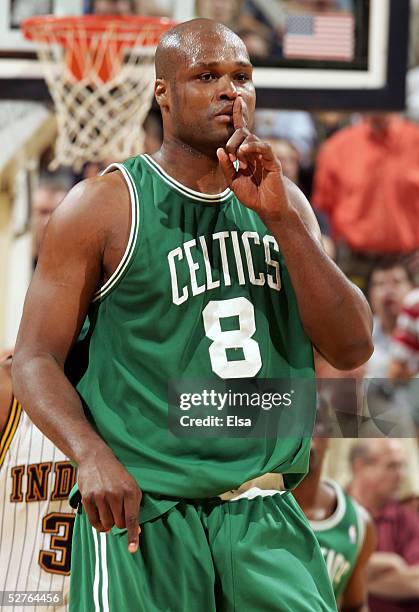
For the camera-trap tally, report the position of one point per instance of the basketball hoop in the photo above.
(100, 73)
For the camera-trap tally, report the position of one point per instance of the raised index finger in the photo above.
(239, 119)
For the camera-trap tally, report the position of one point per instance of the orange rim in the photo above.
(94, 44)
(41, 28)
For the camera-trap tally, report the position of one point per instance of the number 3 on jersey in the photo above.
(250, 361)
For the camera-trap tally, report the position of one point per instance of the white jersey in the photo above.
(36, 521)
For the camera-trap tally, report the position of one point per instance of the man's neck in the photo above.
(192, 168)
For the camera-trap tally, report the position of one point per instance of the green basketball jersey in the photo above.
(341, 537)
(201, 292)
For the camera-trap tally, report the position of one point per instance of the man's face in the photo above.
(387, 290)
(213, 71)
(383, 472)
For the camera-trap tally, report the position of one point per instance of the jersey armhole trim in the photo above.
(361, 517)
(339, 512)
(132, 239)
(10, 428)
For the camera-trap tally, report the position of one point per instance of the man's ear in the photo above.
(161, 94)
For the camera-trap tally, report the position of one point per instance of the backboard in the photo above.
(352, 58)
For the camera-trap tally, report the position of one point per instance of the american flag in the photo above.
(319, 36)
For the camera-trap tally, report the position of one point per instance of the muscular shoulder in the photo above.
(96, 200)
(303, 207)
(95, 214)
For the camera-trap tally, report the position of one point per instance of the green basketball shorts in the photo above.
(246, 555)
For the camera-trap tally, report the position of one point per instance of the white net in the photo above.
(101, 83)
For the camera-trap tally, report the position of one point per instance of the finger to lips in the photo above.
(239, 120)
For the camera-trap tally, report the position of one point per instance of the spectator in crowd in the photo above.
(378, 467)
(289, 156)
(388, 285)
(405, 353)
(388, 404)
(46, 198)
(404, 364)
(295, 126)
(372, 198)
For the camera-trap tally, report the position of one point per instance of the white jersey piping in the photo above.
(206, 198)
(129, 250)
(337, 515)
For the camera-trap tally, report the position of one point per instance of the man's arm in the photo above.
(393, 575)
(335, 314)
(81, 248)
(355, 596)
(389, 576)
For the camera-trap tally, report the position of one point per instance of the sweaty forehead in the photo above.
(207, 51)
(211, 47)
(188, 49)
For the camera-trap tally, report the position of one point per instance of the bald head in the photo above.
(184, 42)
(201, 68)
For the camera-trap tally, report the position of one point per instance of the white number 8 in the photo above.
(238, 338)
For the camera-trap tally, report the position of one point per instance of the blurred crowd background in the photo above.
(360, 172)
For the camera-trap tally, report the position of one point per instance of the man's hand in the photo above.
(335, 315)
(110, 495)
(259, 182)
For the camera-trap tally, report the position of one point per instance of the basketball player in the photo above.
(36, 521)
(187, 269)
(343, 529)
